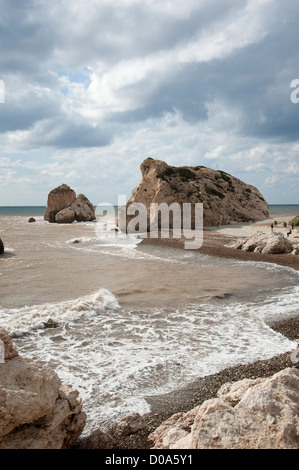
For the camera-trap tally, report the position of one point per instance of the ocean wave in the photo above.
(23, 320)
(117, 360)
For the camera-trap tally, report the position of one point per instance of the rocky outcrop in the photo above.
(36, 410)
(59, 198)
(225, 198)
(1, 247)
(64, 207)
(259, 242)
(249, 414)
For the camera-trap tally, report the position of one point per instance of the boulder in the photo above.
(83, 209)
(130, 424)
(1, 247)
(249, 414)
(31, 220)
(65, 216)
(58, 199)
(36, 410)
(260, 242)
(98, 439)
(225, 198)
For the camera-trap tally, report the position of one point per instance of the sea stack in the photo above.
(225, 198)
(64, 206)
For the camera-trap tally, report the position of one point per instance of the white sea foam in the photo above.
(118, 359)
(279, 305)
(23, 320)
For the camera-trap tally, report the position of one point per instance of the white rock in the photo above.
(259, 242)
(251, 414)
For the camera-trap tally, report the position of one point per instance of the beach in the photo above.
(144, 325)
(182, 400)
(216, 241)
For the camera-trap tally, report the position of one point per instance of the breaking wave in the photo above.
(23, 320)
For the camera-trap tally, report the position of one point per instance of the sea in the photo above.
(134, 320)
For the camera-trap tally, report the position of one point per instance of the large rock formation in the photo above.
(225, 198)
(248, 414)
(64, 207)
(36, 410)
(58, 199)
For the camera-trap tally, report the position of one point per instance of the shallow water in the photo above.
(134, 320)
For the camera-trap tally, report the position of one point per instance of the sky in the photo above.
(89, 89)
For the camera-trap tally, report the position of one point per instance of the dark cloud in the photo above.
(66, 133)
(43, 40)
(254, 80)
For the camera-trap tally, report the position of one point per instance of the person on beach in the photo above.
(272, 227)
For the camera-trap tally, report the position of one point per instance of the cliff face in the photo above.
(225, 198)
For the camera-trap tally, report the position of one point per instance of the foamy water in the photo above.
(134, 320)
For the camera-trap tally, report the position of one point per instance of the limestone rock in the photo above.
(233, 392)
(58, 199)
(1, 247)
(178, 421)
(224, 197)
(130, 424)
(83, 209)
(65, 216)
(271, 243)
(36, 410)
(249, 414)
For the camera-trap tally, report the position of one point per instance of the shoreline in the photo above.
(214, 244)
(193, 394)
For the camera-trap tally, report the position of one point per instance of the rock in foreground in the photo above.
(248, 414)
(1, 247)
(36, 410)
(64, 207)
(225, 198)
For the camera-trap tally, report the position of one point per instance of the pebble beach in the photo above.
(184, 399)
